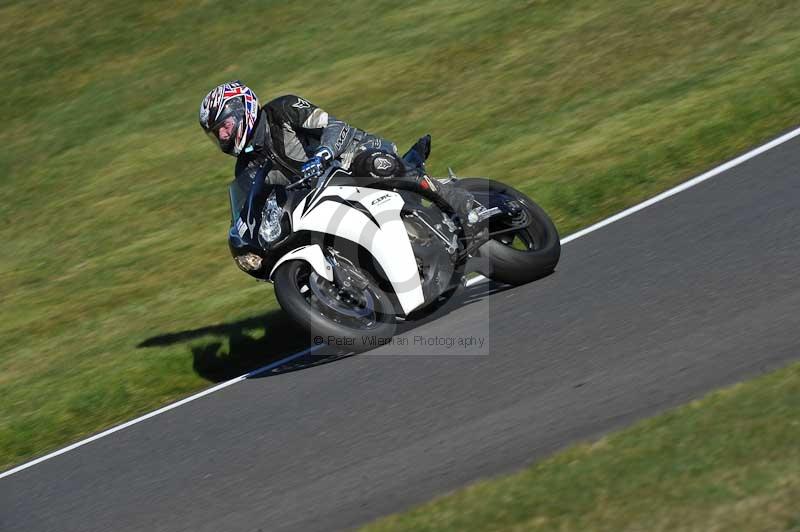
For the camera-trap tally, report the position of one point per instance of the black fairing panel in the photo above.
(246, 240)
(240, 247)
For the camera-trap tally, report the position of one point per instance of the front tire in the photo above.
(524, 255)
(349, 322)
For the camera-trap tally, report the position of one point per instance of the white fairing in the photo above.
(338, 210)
(311, 254)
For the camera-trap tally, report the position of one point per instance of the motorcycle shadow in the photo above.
(465, 296)
(271, 344)
(229, 350)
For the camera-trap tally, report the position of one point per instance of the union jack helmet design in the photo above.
(228, 115)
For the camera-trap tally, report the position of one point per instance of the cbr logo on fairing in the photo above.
(381, 199)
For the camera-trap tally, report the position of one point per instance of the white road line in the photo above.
(154, 413)
(473, 281)
(686, 185)
(671, 192)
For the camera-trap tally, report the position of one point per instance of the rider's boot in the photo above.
(463, 202)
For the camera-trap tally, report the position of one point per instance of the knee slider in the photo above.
(380, 164)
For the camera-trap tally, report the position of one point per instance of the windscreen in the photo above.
(238, 196)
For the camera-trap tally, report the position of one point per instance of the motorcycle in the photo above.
(349, 258)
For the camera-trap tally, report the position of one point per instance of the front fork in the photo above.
(345, 274)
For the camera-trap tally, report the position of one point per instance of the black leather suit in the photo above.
(290, 129)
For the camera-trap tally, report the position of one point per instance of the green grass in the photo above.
(118, 293)
(730, 461)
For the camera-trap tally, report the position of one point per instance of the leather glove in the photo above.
(316, 164)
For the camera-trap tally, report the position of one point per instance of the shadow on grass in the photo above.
(229, 350)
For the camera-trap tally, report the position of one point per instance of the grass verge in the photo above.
(118, 294)
(729, 461)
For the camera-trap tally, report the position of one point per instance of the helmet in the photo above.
(228, 114)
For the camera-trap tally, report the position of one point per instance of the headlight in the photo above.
(249, 262)
(270, 228)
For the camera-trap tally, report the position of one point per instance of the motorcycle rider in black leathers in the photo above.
(291, 138)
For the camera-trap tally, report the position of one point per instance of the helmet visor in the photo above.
(227, 128)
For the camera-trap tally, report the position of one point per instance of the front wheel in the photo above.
(349, 320)
(519, 256)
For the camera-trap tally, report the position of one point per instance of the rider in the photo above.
(292, 138)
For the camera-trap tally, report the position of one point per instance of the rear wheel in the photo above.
(350, 320)
(525, 254)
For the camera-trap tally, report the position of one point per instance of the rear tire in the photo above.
(311, 301)
(525, 255)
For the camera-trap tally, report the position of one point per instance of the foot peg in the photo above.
(480, 214)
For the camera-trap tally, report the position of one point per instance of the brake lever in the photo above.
(297, 184)
(320, 178)
(323, 177)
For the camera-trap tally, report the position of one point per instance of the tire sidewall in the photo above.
(318, 326)
(511, 266)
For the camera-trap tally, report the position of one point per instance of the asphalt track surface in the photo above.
(695, 292)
